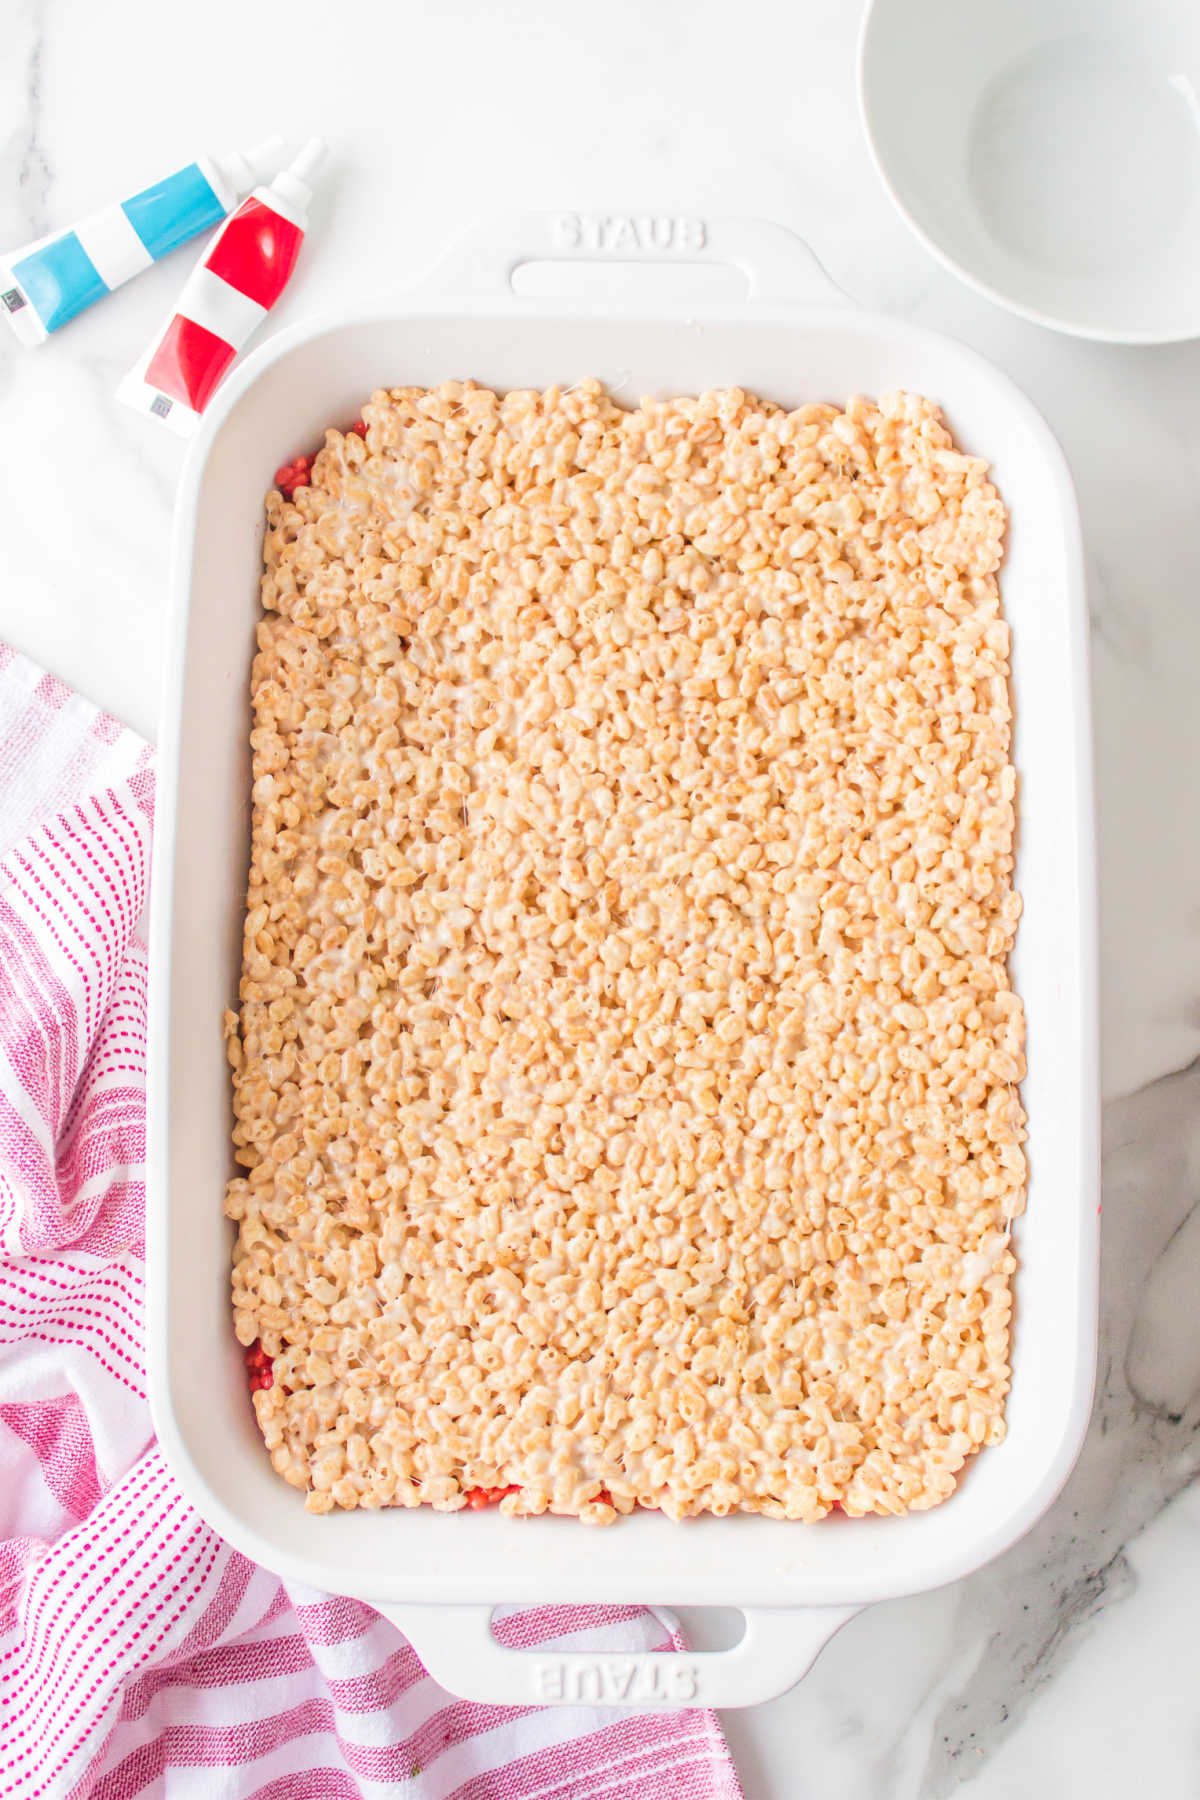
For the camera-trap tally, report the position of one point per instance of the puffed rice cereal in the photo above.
(625, 1077)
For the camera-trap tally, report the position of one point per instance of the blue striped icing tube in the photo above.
(48, 282)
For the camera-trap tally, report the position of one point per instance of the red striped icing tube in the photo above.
(237, 281)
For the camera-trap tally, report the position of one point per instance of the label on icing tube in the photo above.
(47, 283)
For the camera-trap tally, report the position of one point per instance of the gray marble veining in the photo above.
(25, 172)
(1143, 1446)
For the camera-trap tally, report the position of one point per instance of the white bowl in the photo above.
(1048, 152)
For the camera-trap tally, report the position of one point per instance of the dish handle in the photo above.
(776, 263)
(457, 1647)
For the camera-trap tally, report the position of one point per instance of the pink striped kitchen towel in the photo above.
(139, 1654)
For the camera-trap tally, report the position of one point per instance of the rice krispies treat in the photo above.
(625, 1073)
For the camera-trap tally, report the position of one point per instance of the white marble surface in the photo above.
(1068, 1668)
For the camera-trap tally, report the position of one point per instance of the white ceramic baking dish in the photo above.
(794, 339)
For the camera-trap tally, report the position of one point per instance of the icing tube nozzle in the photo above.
(244, 169)
(295, 183)
(241, 275)
(46, 283)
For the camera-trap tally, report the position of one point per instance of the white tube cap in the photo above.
(244, 169)
(295, 183)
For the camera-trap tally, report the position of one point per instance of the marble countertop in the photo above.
(1067, 1668)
